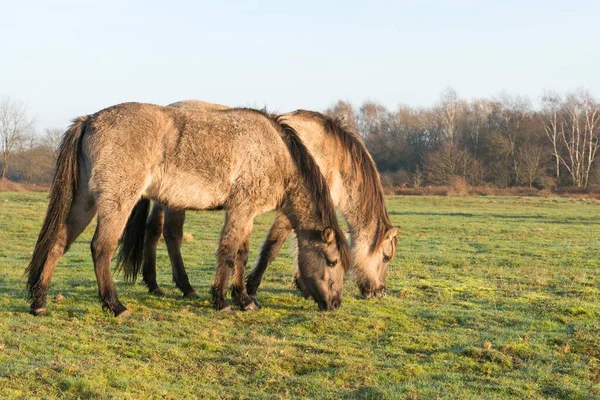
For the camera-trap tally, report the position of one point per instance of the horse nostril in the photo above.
(335, 304)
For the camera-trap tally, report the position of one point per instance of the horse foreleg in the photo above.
(238, 287)
(111, 222)
(232, 250)
(279, 231)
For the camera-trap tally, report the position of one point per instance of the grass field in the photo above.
(488, 297)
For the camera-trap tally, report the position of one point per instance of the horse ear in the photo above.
(328, 235)
(392, 232)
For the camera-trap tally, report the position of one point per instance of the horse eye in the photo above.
(331, 263)
(386, 258)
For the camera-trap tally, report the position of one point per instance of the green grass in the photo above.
(489, 297)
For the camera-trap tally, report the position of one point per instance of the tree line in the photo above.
(27, 156)
(501, 142)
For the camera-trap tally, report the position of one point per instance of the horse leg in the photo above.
(173, 233)
(81, 213)
(280, 230)
(154, 228)
(236, 231)
(111, 222)
(238, 289)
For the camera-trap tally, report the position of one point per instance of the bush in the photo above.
(395, 178)
(449, 162)
(545, 182)
(458, 187)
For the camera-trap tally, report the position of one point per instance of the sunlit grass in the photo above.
(488, 298)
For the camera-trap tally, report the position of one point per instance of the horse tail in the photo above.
(131, 244)
(62, 193)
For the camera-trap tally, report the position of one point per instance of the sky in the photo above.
(70, 58)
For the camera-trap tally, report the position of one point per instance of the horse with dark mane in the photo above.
(356, 190)
(244, 161)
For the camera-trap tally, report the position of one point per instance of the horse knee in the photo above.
(101, 248)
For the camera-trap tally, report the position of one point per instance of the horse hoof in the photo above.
(124, 315)
(39, 311)
(226, 309)
(157, 292)
(255, 301)
(191, 295)
(251, 307)
(368, 295)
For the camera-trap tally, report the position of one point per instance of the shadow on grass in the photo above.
(86, 291)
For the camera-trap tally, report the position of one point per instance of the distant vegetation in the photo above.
(502, 142)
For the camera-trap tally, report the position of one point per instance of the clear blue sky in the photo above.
(67, 58)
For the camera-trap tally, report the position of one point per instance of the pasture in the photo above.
(488, 297)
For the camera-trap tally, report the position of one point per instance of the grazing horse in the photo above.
(241, 160)
(355, 188)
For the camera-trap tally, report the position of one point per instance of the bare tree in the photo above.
(530, 159)
(371, 119)
(450, 110)
(52, 138)
(551, 114)
(27, 150)
(510, 121)
(449, 162)
(345, 112)
(383, 136)
(478, 114)
(29, 141)
(14, 125)
(580, 132)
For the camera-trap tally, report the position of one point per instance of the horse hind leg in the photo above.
(81, 213)
(154, 228)
(173, 234)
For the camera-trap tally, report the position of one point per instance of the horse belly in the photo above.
(184, 190)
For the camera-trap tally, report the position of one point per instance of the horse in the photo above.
(241, 160)
(356, 190)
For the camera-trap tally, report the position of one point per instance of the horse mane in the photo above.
(373, 202)
(311, 174)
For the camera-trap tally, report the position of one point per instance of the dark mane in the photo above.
(317, 186)
(313, 178)
(373, 202)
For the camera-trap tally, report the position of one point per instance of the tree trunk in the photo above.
(5, 166)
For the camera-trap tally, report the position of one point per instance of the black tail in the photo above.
(62, 192)
(131, 244)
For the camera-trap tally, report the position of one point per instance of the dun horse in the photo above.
(355, 187)
(241, 160)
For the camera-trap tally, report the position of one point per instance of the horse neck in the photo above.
(346, 193)
(300, 209)
(363, 228)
